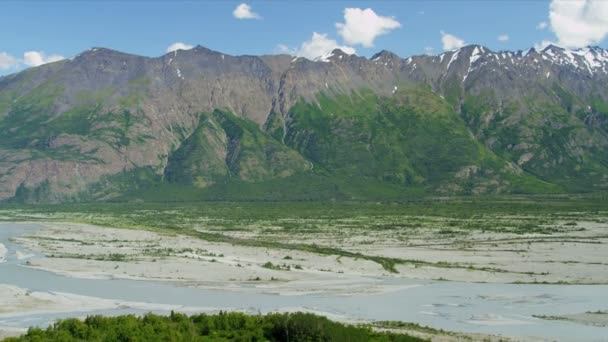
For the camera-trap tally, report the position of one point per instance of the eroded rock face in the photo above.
(71, 124)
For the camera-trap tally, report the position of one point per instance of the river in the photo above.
(499, 309)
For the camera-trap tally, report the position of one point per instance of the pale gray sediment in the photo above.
(467, 307)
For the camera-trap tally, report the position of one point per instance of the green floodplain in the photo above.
(272, 221)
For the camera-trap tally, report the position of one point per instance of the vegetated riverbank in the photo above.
(335, 249)
(17, 301)
(28, 304)
(504, 309)
(294, 326)
(346, 256)
(220, 327)
(87, 251)
(20, 302)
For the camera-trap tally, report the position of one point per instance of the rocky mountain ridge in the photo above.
(93, 126)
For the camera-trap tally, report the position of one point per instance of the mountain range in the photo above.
(202, 125)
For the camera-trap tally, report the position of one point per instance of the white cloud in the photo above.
(363, 26)
(579, 23)
(179, 46)
(36, 58)
(451, 42)
(30, 59)
(542, 45)
(284, 49)
(503, 37)
(429, 50)
(243, 11)
(7, 61)
(542, 25)
(318, 45)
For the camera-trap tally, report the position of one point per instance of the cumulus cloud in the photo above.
(542, 25)
(451, 42)
(542, 45)
(363, 26)
(179, 46)
(30, 59)
(318, 45)
(579, 23)
(36, 58)
(503, 37)
(7, 61)
(243, 11)
(284, 49)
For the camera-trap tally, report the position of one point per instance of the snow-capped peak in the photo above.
(324, 58)
(591, 59)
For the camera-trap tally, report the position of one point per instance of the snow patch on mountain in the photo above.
(454, 58)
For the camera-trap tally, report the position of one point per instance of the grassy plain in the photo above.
(522, 239)
(329, 247)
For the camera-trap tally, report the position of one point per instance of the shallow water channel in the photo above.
(500, 309)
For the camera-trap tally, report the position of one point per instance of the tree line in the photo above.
(202, 327)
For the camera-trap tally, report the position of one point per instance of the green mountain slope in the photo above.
(202, 125)
(225, 147)
(411, 139)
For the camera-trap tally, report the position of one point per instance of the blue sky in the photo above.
(52, 29)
